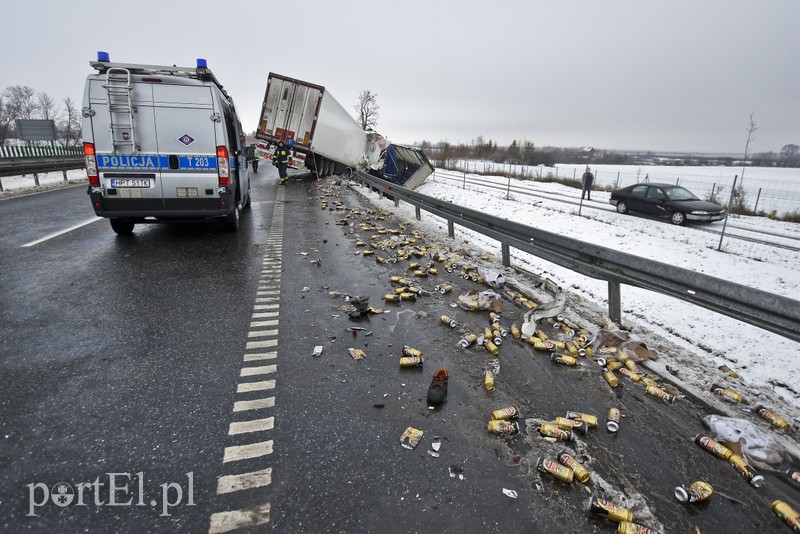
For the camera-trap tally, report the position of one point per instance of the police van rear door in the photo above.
(185, 118)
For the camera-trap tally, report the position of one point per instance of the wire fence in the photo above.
(763, 190)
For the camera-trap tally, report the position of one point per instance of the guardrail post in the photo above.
(451, 229)
(505, 252)
(396, 202)
(65, 176)
(1, 188)
(418, 212)
(614, 302)
(36, 179)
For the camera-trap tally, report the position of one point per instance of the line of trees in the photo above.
(524, 152)
(24, 102)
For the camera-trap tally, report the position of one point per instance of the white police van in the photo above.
(162, 144)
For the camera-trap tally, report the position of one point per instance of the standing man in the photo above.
(281, 160)
(587, 180)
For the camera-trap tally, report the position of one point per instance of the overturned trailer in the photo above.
(326, 139)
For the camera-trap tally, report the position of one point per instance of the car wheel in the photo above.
(231, 220)
(622, 208)
(122, 227)
(677, 218)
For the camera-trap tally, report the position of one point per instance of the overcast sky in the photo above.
(680, 75)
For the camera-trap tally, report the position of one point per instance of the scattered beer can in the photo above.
(581, 427)
(411, 361)
(697, 492)
(610, 377)
(787, 514)
(648, 381)
(611, 511)
(572, 348)
(717, 449)
(499, 426)
(794, 476)
(728, 371)
(634, 528)
(516, 333)
(408, 296)
(432, 271)
(613, 419)
(581, 473)
(746, 471)
(550, 430)
(630, 375)
(606, 349)
(408, 351)
(590, 420)
(444, 288)
(447, 321)
(391, 297)
(630, 364)
(563, 359)
(772, 418)
(555, 470)
(491, 347)
(488, 380)
(509, 412)
(727, 394)
(468, 340)
(612, 364)
(661, 394)
(543, 345)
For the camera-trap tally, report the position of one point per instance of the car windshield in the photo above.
(679, 193)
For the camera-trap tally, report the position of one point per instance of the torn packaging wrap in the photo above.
(411, 438)
(492, 278)
(474, 301)
(550, 309)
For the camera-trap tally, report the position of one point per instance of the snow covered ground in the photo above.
(14, 185)
(690, 338)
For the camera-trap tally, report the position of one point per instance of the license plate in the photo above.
(130, 182)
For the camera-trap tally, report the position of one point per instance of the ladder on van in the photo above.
(120, 110)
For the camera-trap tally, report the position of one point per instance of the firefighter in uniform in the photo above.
(282, 160)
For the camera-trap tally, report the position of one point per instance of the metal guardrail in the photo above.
(18, 166)
(771, 312)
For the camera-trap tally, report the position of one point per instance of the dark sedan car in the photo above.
(674, 202)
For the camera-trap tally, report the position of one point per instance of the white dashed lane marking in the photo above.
(236, 519)
(257, 404)
(247, 387)
(256, 479)
(256, 425)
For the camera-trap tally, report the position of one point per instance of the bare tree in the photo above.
(367, 108)
(46, 106)
(6, 116)
(790, 154)
(71, 123)
(22, 100)
(751, 129)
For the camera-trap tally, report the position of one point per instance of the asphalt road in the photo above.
(128, 355)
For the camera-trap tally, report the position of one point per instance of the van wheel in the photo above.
(231, 220)
(122, 226)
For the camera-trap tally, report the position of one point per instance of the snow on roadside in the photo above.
(691, 338)
(23, 185)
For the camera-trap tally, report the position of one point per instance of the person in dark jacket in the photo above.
(587, 180)
(282, 160)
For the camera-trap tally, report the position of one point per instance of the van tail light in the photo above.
(91, 164)
(223, 166)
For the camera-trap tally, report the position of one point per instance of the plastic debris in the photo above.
(510, 493)
(317, 351)
(492, 278)
(357, 354)
(411, 437)
(305, 289)
(756, 444)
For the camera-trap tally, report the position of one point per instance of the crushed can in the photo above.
(563, 359)
(772, 418)
(411, 361)
(491, 347)
(408, 351)
(611, 511)
(509, 412)
(717, 449)
(380, 259)
(550, 430)
(488, 380)
(500, 426)
(447, 321)
(572, 348)
(727, 394)
(468, 340)
(611, 378)
(697, 492)
(746, 471)
(630, 375)
(516, 333)
(444, 288)
(787, 514)
(589, 419)
(660, 394)
(626, 527)
(487, 332)
(544, 345)
(581, 427)
(794, 477)
(613, 419)
(581, 473)
(555, 470)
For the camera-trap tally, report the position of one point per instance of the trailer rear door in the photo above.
(290, 110)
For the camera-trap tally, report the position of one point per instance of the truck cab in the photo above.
(162, 144)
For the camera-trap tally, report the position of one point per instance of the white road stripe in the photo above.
(260, 356)
(62, 232)
(256, 479)
(267, 343)
(236, 519)
(256, 425)
(245, 452)
(246, 387)
(266, 290)
(260, 370)
(256, 404)
(268, 299)
(267, 307)
(257, 324)
(262, 333)
(263, 315)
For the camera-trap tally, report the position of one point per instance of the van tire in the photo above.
(231, 220)
(122, 226)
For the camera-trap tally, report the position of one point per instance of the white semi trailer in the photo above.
(327, 139)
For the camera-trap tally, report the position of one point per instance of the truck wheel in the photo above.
(122, 226)
(231, 220)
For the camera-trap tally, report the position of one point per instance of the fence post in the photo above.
(614, 302)
(713, 187)
(505, 252)
(508, 191)
(573, 173)
(616, 184)
(755, 210)
(677, 180)
(730, 203)
(451, 231)
(418, 213)
(464, 186)
(65, 176)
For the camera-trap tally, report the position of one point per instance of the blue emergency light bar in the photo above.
(103, 56)
(201, 63)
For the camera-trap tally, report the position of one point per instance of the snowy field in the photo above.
(766, 188)
(768, 363)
